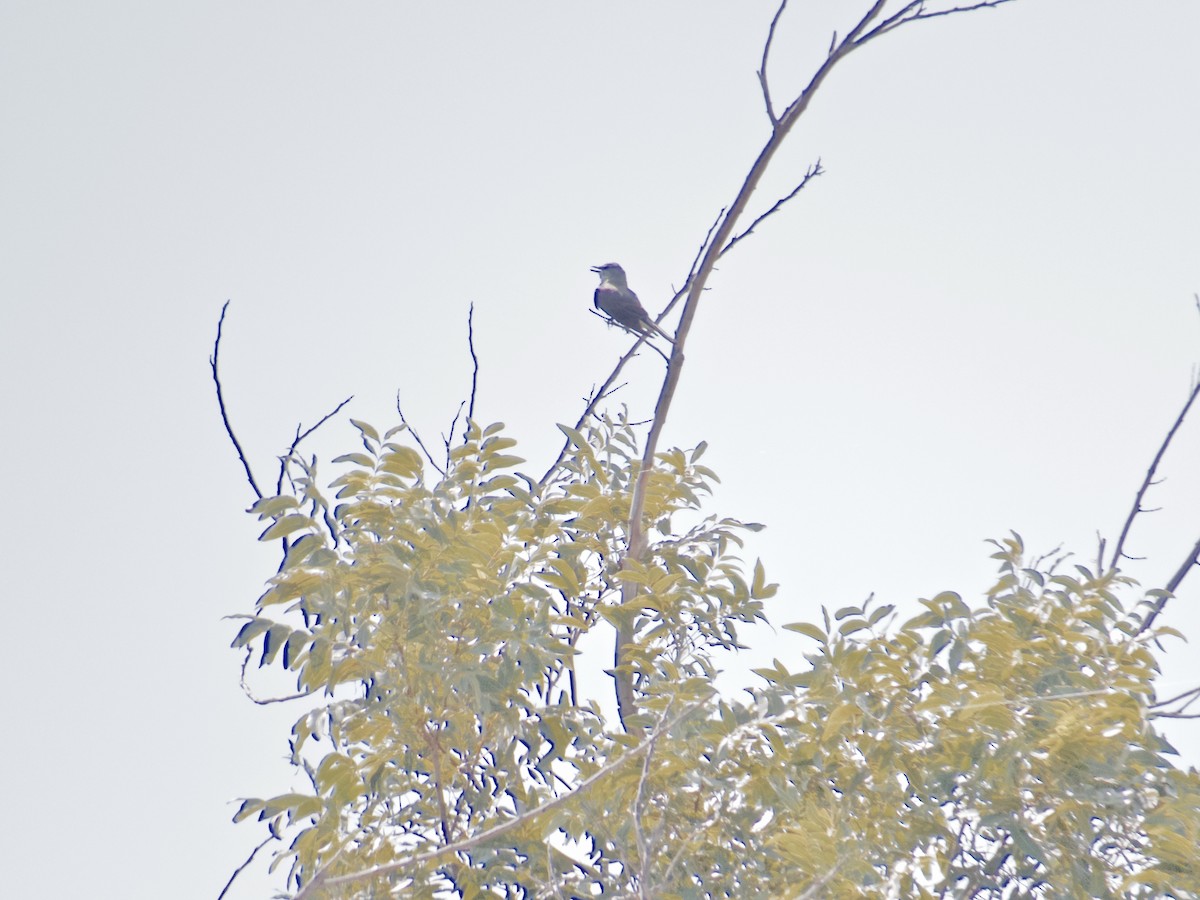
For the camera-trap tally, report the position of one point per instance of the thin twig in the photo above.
(448, 438)
(1119, 549)
(474, 360)
(265, 701)
(902, 17)
(299, 437)
(590, 408)
(687, 282)
(417, 438)
(249, 859)
(762, 72)
(813, 171)
(212, 361)
(1193, 559)
(611, 321)
(1192, 694)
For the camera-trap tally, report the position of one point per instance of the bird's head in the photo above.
(610, 272)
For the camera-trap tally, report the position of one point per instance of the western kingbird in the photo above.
(614, 298)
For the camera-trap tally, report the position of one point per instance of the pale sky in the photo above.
(981, 318)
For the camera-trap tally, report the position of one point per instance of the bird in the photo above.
(614, 298)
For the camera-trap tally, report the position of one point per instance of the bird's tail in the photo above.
(659, 331)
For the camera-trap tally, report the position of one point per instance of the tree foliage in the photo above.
(432, 623)
(1004, 750)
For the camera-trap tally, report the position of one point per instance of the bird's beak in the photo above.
(597, 269)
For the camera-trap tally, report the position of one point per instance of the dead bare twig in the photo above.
(212, 361)
(249, 859)
(1119, 549)
(813, 171)
(762, 69)
(299, 436)
(417, 437)
(469, 404)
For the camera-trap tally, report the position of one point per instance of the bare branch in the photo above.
(474, 361)
(1192, 695)
(638, 542)
(249, 859)
(417, 438)
(1193, 560)
(1173, 715)
(762, 71)
(265, 701)
(591, 407)
(893, 21)
(449, 436)
(813, 171)
(299, 437)
(1119, 550)
(915, 12)
(608, 320)
(212, 361)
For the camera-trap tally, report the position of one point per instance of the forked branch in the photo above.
(1119, 550)
(873, 24)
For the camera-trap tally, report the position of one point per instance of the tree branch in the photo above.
(474, 360)
(638, 543)
(813, 171)
(448, 438)
(1193, 559)
(1119, 549)
(323, 880)
(299, 437)
(1191, 695)
(417, 437)
(249, 859)
(590, 408)
(265, 701)
(917, 10)
(762, 71)
(212, 361)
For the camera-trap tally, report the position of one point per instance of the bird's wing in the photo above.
(623, 306)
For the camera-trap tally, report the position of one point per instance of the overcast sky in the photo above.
(981, 318)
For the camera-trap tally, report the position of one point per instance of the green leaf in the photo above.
(403, 461)
(270, 507)
(759, 589)
(359, 459)
(247, 809)
(808, 630)
(287, 525)
(250, 631)
(502, 461)
(367, 431)
(881, 613)
(573, 435)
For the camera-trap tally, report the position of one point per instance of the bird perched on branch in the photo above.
(614, 298)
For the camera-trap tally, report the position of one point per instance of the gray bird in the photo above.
(614, 298)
